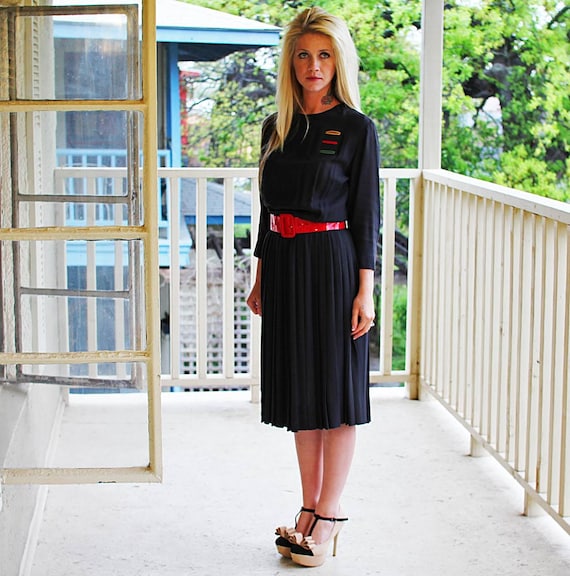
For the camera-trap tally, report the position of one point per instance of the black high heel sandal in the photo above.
(288, 536)
(308, 553)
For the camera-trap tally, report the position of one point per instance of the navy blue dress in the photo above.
(313, 374)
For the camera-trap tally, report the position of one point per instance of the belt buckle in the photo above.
(287, 225)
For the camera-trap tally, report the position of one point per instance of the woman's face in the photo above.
(314, 63)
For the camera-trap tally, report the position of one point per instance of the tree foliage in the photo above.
(506, 86)
(228, 101)
(515, 56)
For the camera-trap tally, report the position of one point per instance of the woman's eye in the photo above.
(302, 55)
(325, 55)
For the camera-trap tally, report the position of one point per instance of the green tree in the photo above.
(506, 93)
(385, 38)
(506, 87)
(239, 91)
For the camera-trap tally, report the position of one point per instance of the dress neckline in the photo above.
(335, 107)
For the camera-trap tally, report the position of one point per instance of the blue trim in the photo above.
(173, 107)
(190, 220)
(74, 29)
(105, 254)
(218, 36)
(106, 157)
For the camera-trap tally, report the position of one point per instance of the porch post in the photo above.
(429, 153)
(429, 157)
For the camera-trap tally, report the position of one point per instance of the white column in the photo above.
(429, 152)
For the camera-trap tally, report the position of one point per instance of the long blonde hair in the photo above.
(289, 92)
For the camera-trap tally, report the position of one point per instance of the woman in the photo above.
(316, 253)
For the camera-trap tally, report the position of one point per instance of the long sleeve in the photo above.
(262, 231)
(364, 198)
(266, 131)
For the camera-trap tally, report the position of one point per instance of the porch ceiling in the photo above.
(202, 34)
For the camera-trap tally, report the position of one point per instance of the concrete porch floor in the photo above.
(418, 505)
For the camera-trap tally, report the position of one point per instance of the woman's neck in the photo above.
(317, 103)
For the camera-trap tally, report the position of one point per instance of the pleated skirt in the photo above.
(313, 374)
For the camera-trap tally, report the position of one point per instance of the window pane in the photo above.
(86, 168)
(92, 55)
(86, 296)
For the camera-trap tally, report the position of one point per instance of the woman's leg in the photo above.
(324, 457)
(309, 446)
(338, 450)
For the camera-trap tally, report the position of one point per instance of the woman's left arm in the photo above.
(363, 207)
(364, 224)
(363, 306)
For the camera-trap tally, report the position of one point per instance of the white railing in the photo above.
(205, 302)
(101, 157)
(211, 340)
(488, 321)
(232, 302)
(496, 327)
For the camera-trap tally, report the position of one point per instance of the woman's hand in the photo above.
(363, 313)
(254, 299)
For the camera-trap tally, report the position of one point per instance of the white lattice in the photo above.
(242, 321)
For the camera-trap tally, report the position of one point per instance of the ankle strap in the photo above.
(319, 517)
(303, 509)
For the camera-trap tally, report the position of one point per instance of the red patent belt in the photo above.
(289, 226)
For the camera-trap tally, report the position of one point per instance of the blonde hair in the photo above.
(289, 100)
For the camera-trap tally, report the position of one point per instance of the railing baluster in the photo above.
(454, 286)
(564, 495)
(497, 298)
(515, 373)
(470, 312)
(463, 331)
(544, 483)
(488, 343)
(478, 267)
(118, 272)
(534, 413)
(503, 406)
(173, 191)
(526, 320)
(442, 290)
(428, 291)
(387, 316)
(91, 281)
(201, 279)
(228, 281)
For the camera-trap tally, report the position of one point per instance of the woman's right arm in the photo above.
(254, 298)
